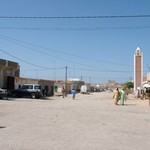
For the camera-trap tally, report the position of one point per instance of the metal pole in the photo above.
(149, 99)
(66, 81)
(81, 78)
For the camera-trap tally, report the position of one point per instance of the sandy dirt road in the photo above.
(90, 122)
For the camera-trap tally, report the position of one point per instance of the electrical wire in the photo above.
(24, 60)
(46, 68)
(74, 17)
(59, 52)
(76, 29)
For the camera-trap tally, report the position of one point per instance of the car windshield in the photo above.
(27, 87)
(37, 87)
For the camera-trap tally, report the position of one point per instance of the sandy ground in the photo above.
(90, 122)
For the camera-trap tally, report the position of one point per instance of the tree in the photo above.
(128, 85)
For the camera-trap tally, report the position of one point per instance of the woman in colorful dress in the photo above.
(123, 96)
(116, 96)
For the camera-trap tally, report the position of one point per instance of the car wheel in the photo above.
(33, 95)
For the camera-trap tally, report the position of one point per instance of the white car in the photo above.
(3, 93)
(32, 90)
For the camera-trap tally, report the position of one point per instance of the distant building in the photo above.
(111, 82)
(138, 68)
(76, 84)
(148, 76)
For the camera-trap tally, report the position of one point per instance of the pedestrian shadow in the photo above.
(127, 105)
(7, 99)
(26, 98)
(46, 98)
(1, 127)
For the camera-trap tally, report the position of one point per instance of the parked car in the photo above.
(31, 90)
(3, 93)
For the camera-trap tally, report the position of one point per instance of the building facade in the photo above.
(17, 82)
(8, 68)
(138, 68)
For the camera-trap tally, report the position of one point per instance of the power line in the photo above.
(44, 68)
(94, 77)
(57, 51)
(41, 52)
(24, 60)
(74, 17)
(103, 70)
(76, 29)
(82, 69)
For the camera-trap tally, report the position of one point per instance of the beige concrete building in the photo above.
(10, 79)
(148, 76)
(76, 84)
(138, 68)
(17, 82)
(8, 68)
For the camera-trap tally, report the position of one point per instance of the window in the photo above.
(37, 87)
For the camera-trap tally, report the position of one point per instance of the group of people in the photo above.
(73, 93)
(119, 96)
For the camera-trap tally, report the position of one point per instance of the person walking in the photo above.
(73, 92)
(123, 96)
(63, 92)
(116, 96)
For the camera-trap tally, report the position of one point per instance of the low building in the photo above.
(8, 68)
(10, 79)
(16, 82)
(76, 84)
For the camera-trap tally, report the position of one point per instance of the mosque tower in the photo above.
(138, 68)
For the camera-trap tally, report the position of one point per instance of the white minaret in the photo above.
(138, 68)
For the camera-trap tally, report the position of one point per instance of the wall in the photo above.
(8, 68)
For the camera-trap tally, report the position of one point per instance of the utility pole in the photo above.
(89, 80)
(36, 73)
(81, 78)
(66, 81)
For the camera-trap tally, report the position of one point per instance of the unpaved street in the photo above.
(90, 122)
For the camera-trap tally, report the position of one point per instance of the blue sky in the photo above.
(96, 49)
